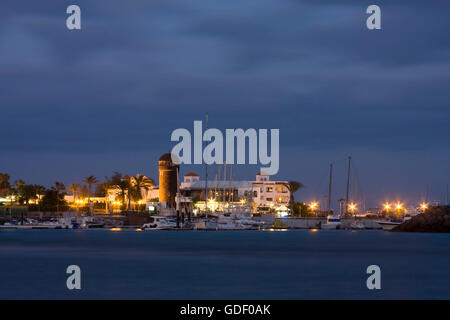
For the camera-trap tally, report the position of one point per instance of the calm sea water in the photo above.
(223, 265)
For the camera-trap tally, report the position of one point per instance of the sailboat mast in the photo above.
(177, 197)
(230, 197)
(216, 182)
(348, 184)
(329, 188)
(224, 180)
(206, 177)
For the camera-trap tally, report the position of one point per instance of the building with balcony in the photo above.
(271, 193)
(262, 192)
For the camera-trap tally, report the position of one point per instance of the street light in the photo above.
(387, 206)
(352, 207)
(424, 206)
(313, 205)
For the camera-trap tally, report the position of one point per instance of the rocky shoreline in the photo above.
(435, 219)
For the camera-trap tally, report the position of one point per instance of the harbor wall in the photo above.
(298, 223)
(311, 223)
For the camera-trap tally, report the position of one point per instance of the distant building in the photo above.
(271, 193)
(233, 191)
(262, 191)
(191, 177)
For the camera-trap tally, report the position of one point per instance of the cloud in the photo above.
(136, 72)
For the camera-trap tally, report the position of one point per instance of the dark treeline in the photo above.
(127, 190)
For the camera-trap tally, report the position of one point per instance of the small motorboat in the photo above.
(390, 224)
(160, 223)
(333, 222)
(357, 225)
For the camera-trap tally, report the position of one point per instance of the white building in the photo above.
(262, 191)
(271, 193)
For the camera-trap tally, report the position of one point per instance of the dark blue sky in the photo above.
(106, 98)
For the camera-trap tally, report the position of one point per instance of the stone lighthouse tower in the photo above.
(168, 180)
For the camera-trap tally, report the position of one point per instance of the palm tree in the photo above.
(28, 193)
(74, 187)
(293, 187)
(140, 182)
(90, 181)
(19, 186)
(39, 191)
(11, 193)
(126, 181)
(58, 187)
(122, 183)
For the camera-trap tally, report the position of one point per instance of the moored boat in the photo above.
(390, 224)
(160, 223)
(333, 222)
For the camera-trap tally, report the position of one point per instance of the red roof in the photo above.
(191, 174)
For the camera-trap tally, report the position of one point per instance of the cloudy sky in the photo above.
(106, 98)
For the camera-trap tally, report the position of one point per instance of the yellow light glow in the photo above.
(424, 206)
(387, 206)
(352, 207)
(313, 205)
(115, 229)
(399, 206)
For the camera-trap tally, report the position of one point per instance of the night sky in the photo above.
(106, 98)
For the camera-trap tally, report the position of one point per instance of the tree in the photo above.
(91, 180)
(40, 190)
(102, 189)
(83, 193)
(74, 188)
(52, 199)
(130, 190)
(11, 193)
(58, 187)
(28, 193)
(138, 183)
(121, 183)
(301, 209)
(19, 186)
(4, 181)
(293, 187)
